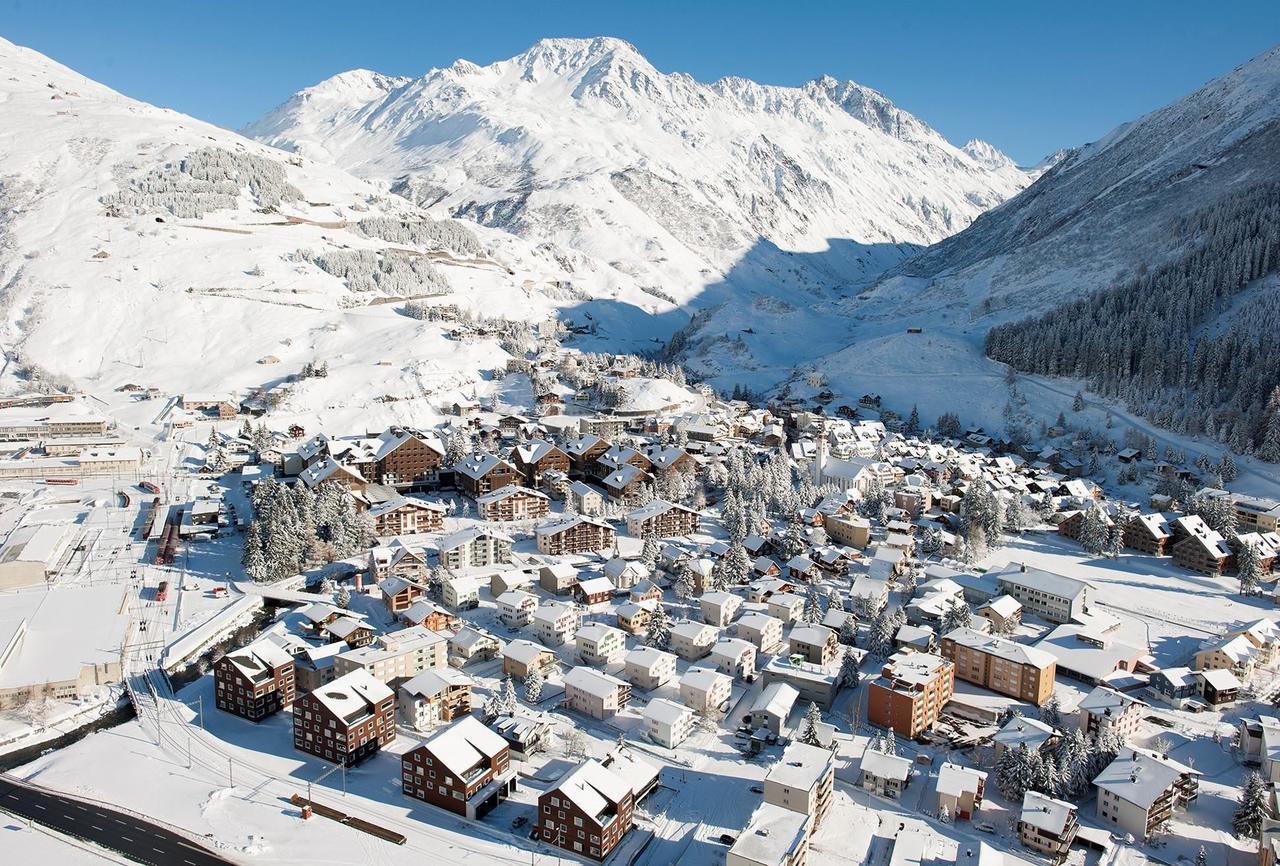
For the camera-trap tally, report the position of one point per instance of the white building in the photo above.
(668, 723)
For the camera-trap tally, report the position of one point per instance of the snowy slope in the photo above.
(672, 181)
(118, 265)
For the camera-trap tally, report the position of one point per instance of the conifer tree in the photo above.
(1252, 808)
(809, 727)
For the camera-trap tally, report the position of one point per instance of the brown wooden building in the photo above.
(588, 811)
(465, 769)
(254, 681)
(347, 720)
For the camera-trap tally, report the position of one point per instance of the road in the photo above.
(121, 832)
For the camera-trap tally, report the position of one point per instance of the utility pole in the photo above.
(231, 779)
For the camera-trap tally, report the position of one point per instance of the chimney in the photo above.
(1023, 568)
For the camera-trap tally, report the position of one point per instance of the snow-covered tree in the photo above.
(507, 701)
(1094, 530)
(1051, 712)
(1015, 773)
(1248, 568)
(649, 552)
(957, 615)
(1251, 809)
(812, 611)
(658, 633)
(343, 599)
(809, 727)
(849, 631)
(533, 686)
(849, 676)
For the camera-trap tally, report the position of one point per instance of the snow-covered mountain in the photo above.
(678, 184)
(138, 245)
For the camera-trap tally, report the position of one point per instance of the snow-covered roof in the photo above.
(801, 766)
(352, 695)
(884, 766)
(593, 682)
(1030, 577)
(776, 699)
(956, 780)
(704, 679)
(1008, 650)
(1140, 777)
(666, 712)
(771, 835)
(1045, 813)
(465, 744)
(523, 651)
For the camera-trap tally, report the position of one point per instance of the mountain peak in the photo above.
(562, 56)
(354, 84)
(986, 154)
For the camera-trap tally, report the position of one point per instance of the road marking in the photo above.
(125, 838)
(157, 850)
(41, 808)
(96, 827)
(82, 808)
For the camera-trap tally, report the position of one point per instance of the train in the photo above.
(149, 486)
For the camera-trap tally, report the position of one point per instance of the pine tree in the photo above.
(1252, 808)
(1015, 773)
(958, 615)
(809, 727)
(849, 676)
(812, 612)
(1270, 448)
(649, 553)
(881, 633)
(913, 421)
(890, 745)
(1248, 568)
(344, 597)
(533, 686)
(849, 631)
(1093, 532)
(1051, 712)
(1077, 402)
(658, 633)
(507, 701)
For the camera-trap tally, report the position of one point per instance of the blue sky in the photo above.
(1028, 77)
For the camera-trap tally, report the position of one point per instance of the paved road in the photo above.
(116, 831)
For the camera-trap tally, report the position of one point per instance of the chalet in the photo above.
(595, 693)
(719, 608)
(693, 640)
(535, 457)
(355, 633)
(626, 483)
(587, 812)
(471, 645)
(735, 657)
(347, 720)
(960, 791)
(521, 657)
(801, 568)
(525, 735)
(329, 469)
(513, 503)
(662, 519)
(558, 578)
(584, 451)
(648, 668)
(1202, 549)
(483, 473)
(430, 615)
(633, 616)
(763, 590)
(574, 535)
(705, 690)
(1148, 533)
(434, 696)
(584, 499)
(408, 458)
(765, 567)
(465, 769)
(645, 590)
(555, 624)
(818, 645)
(255, 681)
(399, 594)
(406, 515)
(599, 644)
(593, 591)
(516, 607)
(1047, 825)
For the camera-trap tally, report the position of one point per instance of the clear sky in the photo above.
(1029, 77)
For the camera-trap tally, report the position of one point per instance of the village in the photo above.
(566, 627)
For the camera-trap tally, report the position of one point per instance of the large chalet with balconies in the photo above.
(408, 458)
(535, 457)
(406, 515)
(574, 535)
(255, 681)
(512, 503)
(483, 473)
(465, 769)
(662, 519)
(347, 720)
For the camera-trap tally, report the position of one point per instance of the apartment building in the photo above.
(600, 645)
(719, 607)
(1054, 597)
(574, 535)
(347, 720)
(817, 644)
(693, 640)
(465, 769)
(762, 630)
(406, 515)
(662, 519)
(1107, 709)
(648, 668)
(595, 693)
(1047, 825)
(802, 780)
(1139, 791)
(1001, 665)
(434, 696)
(667, 723)
(587, 812)
(473, 547)
(396, 656)
(910, 692)
(255, 681)
(555, 624)
(705, 690)
(513, 502)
